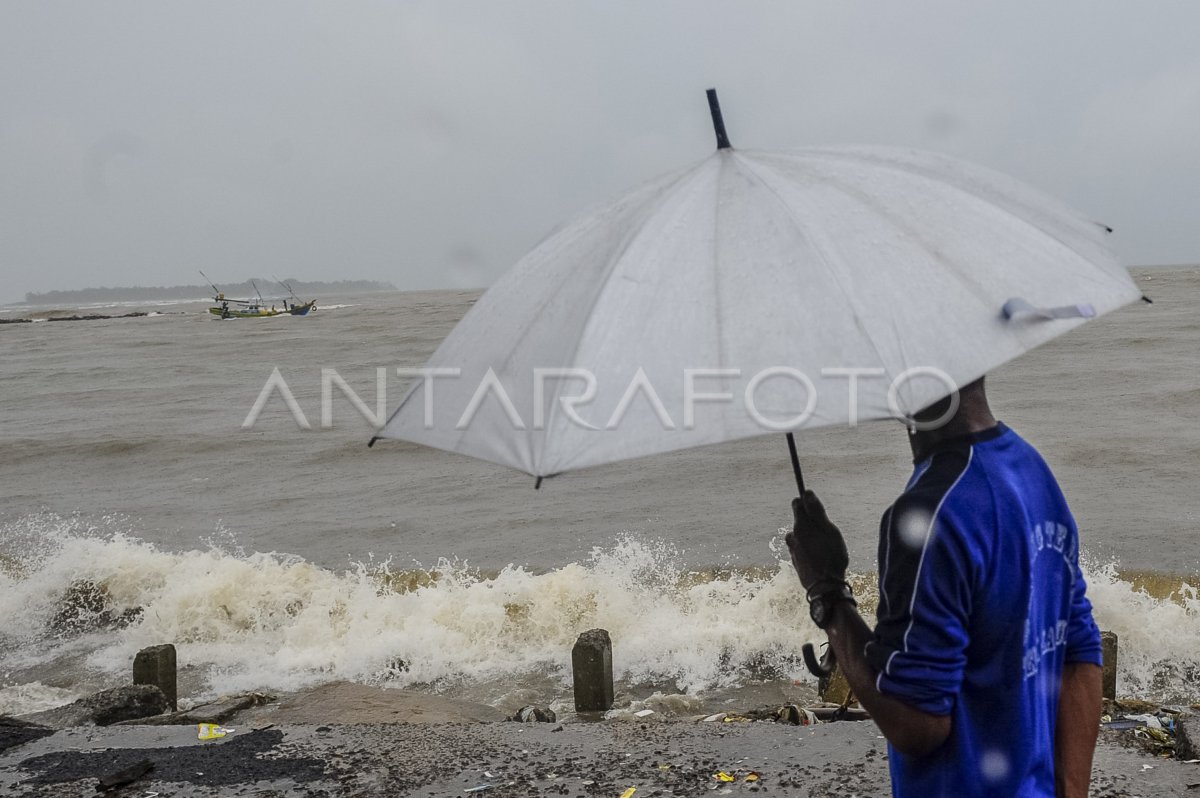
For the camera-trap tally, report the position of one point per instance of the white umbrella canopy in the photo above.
(756, 292)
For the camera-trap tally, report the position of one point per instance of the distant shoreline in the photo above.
(269, 288)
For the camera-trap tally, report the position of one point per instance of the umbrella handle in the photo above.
(822, 667)
(795, 463)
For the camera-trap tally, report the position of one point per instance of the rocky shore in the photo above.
(353, 740)
(73, 317)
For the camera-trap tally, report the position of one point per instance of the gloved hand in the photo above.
(818, 550)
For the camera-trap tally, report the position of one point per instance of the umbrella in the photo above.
(756, 293)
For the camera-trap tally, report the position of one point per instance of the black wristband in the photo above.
(821, 606)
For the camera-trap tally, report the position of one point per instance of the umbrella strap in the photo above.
(1019, 307)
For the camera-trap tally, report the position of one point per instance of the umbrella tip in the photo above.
(538, 484)
(371, 442)
(714, 107)
(1147, 300)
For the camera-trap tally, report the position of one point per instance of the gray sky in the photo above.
(432, 143)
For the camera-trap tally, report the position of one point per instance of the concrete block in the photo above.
(156, 666)
(591, 665)
(1108, 644)
(834, 688)
(1187, 737)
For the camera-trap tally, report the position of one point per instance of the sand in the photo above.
(445, 759)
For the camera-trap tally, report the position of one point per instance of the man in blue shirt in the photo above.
(983, 670)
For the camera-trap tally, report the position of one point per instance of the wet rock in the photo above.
(10, 722)
(125, 776)
(215, 712)
(105, 708)
(86, 606)
(347, 703)
(14, 736)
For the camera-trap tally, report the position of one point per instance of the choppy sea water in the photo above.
(277, 557)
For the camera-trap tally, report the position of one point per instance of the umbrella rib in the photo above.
(913, 234)
(609, 270)
(821, 255)
(947, 181)
(718, 310)
(1073, 259)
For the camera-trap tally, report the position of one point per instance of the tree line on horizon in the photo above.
(269, 288)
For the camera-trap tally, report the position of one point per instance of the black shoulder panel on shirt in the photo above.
(904, 529)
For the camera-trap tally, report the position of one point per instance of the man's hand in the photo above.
(818, 551)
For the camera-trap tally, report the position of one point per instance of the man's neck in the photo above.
(973, 415)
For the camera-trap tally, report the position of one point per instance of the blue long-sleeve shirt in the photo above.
(981, 603)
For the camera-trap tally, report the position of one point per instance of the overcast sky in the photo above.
(432, 143)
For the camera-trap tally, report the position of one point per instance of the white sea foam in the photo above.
(276, 622)
(33, 697)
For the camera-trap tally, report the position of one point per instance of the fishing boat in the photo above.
(226, 308)
(242, 309)
(297, 307)
(300, 309)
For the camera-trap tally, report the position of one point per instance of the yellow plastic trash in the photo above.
(721, 775)
(629, 793)
(211, 731)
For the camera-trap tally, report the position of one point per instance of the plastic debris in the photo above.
(736, 719)
(752, 776)
(797, 716)
(644, 713)
(211, 731)
(721, 775)
(629, 793)
(1150, 721)
(1120, 725)
(532, 714)
(713, 718)
(1159, 735)
(479, 788)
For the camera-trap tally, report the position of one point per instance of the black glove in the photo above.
(818, 550)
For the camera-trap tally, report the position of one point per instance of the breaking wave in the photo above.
(82, 599)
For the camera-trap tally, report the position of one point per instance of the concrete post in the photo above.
(1108, 645)
(591, 664)
(834, 689)
(156, 666)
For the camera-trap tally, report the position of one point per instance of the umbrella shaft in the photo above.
(795, 463)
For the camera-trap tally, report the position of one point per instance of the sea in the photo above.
(138, 506)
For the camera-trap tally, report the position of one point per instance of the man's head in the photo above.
(967, 402)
